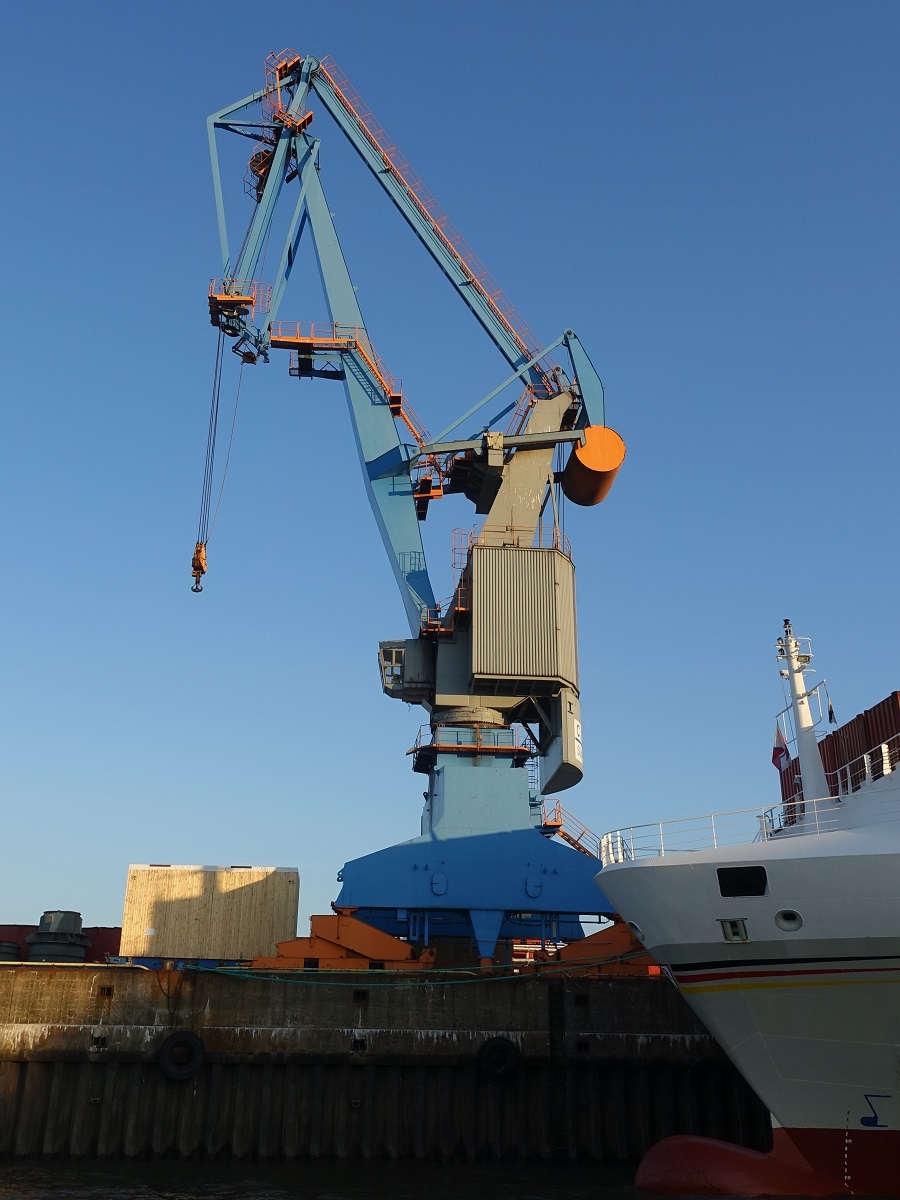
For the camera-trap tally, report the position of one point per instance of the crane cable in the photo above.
(204, 531)
(237, 399)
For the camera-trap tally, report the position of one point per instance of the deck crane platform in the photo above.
(496, 667)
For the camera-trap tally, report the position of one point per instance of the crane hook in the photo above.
(198, 566)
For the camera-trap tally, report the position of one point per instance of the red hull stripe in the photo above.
(718, 963)
(730, 973)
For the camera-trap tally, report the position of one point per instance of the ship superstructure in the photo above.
(781, 927)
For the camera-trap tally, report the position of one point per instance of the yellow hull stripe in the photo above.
(762, 985)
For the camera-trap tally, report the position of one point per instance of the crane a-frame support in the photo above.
(385, 461)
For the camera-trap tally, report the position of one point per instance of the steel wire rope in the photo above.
(206, 493)
(559, 497)
(237, 400)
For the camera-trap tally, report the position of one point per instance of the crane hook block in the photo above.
(198, 566)
(593, 467)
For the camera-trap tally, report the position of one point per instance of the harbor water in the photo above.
(360, 1180)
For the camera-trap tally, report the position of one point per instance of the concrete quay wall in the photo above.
(376, 1064)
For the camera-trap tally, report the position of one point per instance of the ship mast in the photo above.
(812, 772)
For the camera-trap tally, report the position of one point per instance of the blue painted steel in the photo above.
(479, 852)
(384, 458)
(486, 872)
(251, 250)
(219, 120)
(588, 379)
(489, 794)
(521, 373)
(426, 926)
(496, 330)
(593, 410)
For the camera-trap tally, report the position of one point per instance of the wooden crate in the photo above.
(208, 912)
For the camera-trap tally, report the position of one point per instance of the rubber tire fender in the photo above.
(498, 1057)
(181, 1055)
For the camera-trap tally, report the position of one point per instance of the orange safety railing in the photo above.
(324, 336)
(278, 67)
(249, 293)
(338, 337)
(440, 619)
(434, 618)
(427, 206)
(516, 742)
(461, 545)
(519, 418)
(545, 537)
(428, 475)
(571, 830)
(257, 171)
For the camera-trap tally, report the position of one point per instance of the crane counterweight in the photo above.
(593, 467)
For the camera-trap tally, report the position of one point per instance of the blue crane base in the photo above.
(488, 886)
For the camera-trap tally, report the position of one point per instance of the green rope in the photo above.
(425, 978)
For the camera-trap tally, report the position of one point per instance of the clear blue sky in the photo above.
(705, 192)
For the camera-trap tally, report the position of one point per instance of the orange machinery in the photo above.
(610, 951)
(341, 942)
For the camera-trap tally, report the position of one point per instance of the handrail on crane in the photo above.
(278, 67)
(422, 199)
(228, 297)
(322, 336)
(558, 821)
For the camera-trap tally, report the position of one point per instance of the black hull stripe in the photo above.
(737, 964)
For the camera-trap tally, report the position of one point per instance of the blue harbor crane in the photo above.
(495, 667)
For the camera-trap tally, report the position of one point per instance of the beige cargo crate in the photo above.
(208, 912)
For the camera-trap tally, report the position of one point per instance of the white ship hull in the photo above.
(800, 984)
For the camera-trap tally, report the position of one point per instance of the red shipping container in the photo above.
(851, 742)
(883, 724)
(792, 793)
(883, 721)
(790, 781)
(829, 762)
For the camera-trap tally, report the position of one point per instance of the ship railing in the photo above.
(874, 764)
(849, 777)
(715, 830)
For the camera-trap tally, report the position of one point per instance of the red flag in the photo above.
(780, 754)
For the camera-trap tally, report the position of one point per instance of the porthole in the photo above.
(789, 920)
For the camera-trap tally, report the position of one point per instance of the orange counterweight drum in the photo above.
(591, 468)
